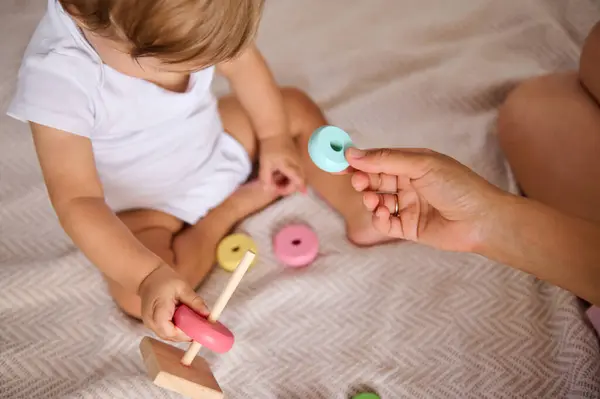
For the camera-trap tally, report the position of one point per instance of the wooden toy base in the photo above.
(163, 363)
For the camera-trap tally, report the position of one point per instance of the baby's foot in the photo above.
(250, 198)
(360, 231)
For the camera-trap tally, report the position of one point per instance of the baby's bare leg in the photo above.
(191, 250)
(195, 247)
(304, 117)
(549, 129)
(155, 230)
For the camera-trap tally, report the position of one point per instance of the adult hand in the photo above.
(441, 202)
(444, 204)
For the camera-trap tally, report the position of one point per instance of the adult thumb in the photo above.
(194, 301)
(412, 163)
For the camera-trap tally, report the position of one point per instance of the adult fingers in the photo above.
(392, 202)
(372, 201)
(387, 224)
(362, 181)
(395, 215)
(413, 163)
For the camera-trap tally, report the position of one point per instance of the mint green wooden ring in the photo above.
(327, 146)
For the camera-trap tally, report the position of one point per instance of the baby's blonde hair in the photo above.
(204, 32)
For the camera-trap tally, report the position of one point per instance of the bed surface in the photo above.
(403, 320)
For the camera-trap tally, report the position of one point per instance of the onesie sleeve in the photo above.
(52, 90)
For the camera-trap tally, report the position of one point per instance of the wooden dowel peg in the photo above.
(221, 302)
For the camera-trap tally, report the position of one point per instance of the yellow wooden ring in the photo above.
(231, 250)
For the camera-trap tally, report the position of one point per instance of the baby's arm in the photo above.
(75, 191)
(255, 87)
(258, 94)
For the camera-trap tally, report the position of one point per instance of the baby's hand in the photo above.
(161, 292)
(280, 168)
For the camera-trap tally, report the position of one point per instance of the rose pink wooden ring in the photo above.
(296, 245)
(215, 336)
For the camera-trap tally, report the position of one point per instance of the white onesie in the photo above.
(153, 148)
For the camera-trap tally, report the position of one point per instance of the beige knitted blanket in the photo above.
(402, 320)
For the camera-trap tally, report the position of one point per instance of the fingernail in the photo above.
(356, 153)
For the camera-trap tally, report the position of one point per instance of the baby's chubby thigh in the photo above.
(155, 230)
(157, 225)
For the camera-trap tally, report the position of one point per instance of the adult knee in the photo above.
(589, 61)
(517, 110)
(528, 107)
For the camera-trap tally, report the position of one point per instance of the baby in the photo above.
(145, 169)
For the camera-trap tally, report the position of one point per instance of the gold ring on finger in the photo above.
(396, 206)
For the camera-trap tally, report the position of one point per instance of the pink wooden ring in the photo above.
(296, 245)
(215, 336)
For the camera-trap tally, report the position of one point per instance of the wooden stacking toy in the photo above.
(296, 245)
(185, 372)
(212, 335)
(232, 248)
(327, 148)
